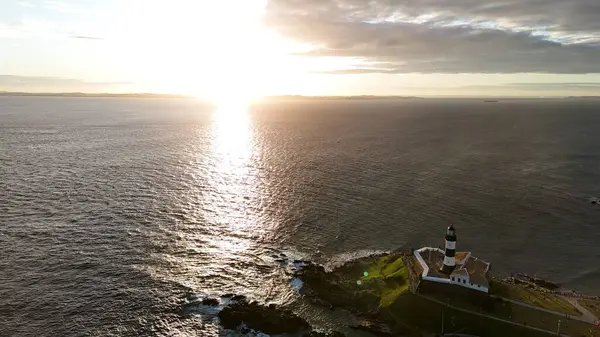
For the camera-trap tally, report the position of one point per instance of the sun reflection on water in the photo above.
(232, 140)
(218, 228)
(233, 181)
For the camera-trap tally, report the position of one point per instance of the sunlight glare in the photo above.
(218, 50)
(232, 140)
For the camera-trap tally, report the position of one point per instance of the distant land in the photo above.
(267, 98)
(81, 94)
(149, 95)
(309, 98)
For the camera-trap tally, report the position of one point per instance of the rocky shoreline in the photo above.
(376, 289)
(331, 290)
(236, 313)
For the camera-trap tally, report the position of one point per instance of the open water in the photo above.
(113, 211)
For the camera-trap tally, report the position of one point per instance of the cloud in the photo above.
(66, 7)
(28, 28)
(587, 85)
(558, 87)
(26, 4)
(447, 36)
(83, 37)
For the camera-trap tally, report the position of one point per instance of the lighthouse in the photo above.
(449, 260)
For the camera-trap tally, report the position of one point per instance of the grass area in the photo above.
(414, 313)
(534, 297)
(592, 306)
(389, 276)
(383, 291)
(420, 313)
(509, 311)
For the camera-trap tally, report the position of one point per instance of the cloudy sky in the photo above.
(312, 47)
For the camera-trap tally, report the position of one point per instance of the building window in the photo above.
(464, 281)
(452, 278)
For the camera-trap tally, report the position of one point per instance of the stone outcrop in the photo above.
(268, 319)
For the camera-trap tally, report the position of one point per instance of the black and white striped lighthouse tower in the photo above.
(449, 260)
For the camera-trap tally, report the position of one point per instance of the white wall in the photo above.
(423, 264)
(468, 284)
(425, 250)
(458, 281)
(449, 281)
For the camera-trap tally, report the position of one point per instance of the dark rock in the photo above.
(313, 273)
(239, 298)
(299, 261)
(322, 334)
(270, 320)
(228, 295)
(191, 296)
(275, 256)
(336, 334)
(213, 302)
(536, 281)
(334, 289)
(282, 254)
(280, 260)
(318, 301)
(545, 284)
(373, 328)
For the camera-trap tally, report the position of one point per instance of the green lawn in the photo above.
(516, 313)
(414, 313)
(383, 292)
(366, 284)
(426, 314)
(534, 297)
(389, 277)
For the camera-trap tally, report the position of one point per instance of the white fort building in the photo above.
(453, 268)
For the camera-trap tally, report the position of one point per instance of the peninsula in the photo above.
(433, 291)
(424, 292)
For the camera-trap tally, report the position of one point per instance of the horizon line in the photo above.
(269, 97)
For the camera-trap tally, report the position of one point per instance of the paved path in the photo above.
(586, 314)
(492, 317)
(558, 313)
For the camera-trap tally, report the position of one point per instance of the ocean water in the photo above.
(114, 211)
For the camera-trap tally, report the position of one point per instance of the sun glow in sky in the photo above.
(221, 49)
(204, 48)
(213, 49)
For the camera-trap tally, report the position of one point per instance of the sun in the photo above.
(216, 49)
